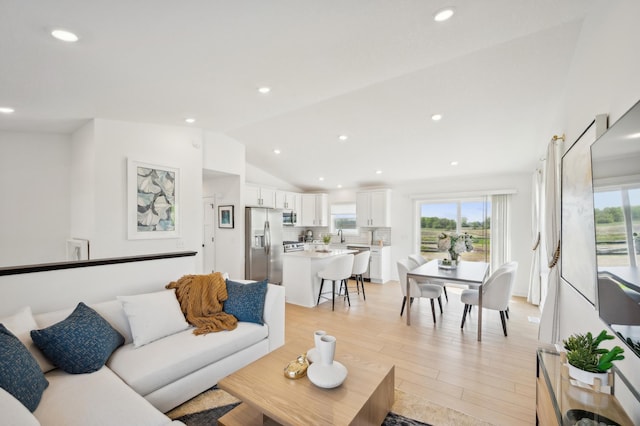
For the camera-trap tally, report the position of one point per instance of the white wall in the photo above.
(53, 290)
(223, 180)
(82, 182)
(603, 79)
(34, 183)
(229, 243)
(113, 143)
(260, 177)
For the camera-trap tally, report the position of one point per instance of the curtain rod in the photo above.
(556, 137)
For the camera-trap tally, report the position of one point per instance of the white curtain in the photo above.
(500, 230)
(549, 319)
(535, 290)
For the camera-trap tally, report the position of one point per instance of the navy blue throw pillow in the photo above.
(81, 343)
(20, 374)
(246, 301)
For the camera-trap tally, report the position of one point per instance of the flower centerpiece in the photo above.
(455, 244)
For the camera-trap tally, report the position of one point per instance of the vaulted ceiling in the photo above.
(373, 70)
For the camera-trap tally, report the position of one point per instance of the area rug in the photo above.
(407, 410)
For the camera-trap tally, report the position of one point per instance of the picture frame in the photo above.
(225, 217)
(578, 225)
(77, 249)
(153, 207)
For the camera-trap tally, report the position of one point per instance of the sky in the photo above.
(472, 210)
(604, 199)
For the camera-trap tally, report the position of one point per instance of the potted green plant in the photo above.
(326, 238)
(587, 361)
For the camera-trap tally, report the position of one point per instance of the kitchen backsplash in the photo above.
(368, 236)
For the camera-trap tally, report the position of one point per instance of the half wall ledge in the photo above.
(41, 267)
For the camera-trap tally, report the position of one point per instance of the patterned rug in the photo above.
(407, 410)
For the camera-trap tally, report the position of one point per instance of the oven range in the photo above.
(290, 246)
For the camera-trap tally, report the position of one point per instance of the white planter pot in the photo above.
(588, 377)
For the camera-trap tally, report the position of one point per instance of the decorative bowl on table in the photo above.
(447, 264)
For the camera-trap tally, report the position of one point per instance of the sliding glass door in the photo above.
(472, 216)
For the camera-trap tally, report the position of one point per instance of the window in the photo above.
(472, 216)
(617, 219)
(343, 216)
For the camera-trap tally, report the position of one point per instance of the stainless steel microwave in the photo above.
(289, 218)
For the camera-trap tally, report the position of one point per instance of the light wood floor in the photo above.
(493, 380)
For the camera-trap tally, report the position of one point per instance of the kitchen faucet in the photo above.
(341, 236)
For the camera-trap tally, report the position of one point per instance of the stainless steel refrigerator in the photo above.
(263, 244)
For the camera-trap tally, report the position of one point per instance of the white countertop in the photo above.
(319, 254)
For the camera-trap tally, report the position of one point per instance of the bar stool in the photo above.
(360, 265)
(339, 269)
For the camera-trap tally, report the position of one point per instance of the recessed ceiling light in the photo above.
(444, 14)
(436, 117)
(321, 178)
(190, 120)
(343, 137)
(276, 151)
(264, 90)
(64, 35)
(378, 172)
(7, 110)
(339, 185)
(454, 163)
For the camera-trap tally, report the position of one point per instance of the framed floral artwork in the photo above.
(225, 216)
(153, 201)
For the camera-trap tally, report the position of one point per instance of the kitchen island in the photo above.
(300, 274)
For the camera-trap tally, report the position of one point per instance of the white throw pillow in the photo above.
(20, 324)
(153, 316)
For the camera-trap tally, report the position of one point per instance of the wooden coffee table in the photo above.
(268, 397)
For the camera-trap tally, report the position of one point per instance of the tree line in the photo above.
(615, 214)
(450, 224)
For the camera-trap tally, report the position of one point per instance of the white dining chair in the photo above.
(416, 260)
(496, 293)
(429, 291)
(338, 269)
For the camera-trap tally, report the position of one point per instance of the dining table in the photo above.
(471, 274)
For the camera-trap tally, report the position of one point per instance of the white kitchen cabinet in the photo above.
(287, 200)
(258, 196)
(373, 208)
(380, 264)
(314, 210)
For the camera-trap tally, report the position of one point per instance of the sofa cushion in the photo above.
(81, 343)
(21, 324)
(113, 312)
(166, 360)
(153, 316)
(97, 398)
(246, 301)
(20, 374)
(14, 413)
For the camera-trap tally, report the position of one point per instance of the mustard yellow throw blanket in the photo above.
(201, 299)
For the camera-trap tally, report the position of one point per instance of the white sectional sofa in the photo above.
(138, 384)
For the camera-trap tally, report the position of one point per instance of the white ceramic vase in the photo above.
(327, 349)
(313, 354)
(325, 372)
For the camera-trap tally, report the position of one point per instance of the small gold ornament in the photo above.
(297, 368)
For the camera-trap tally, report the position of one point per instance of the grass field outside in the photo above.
(611, 245)
(481, 244)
